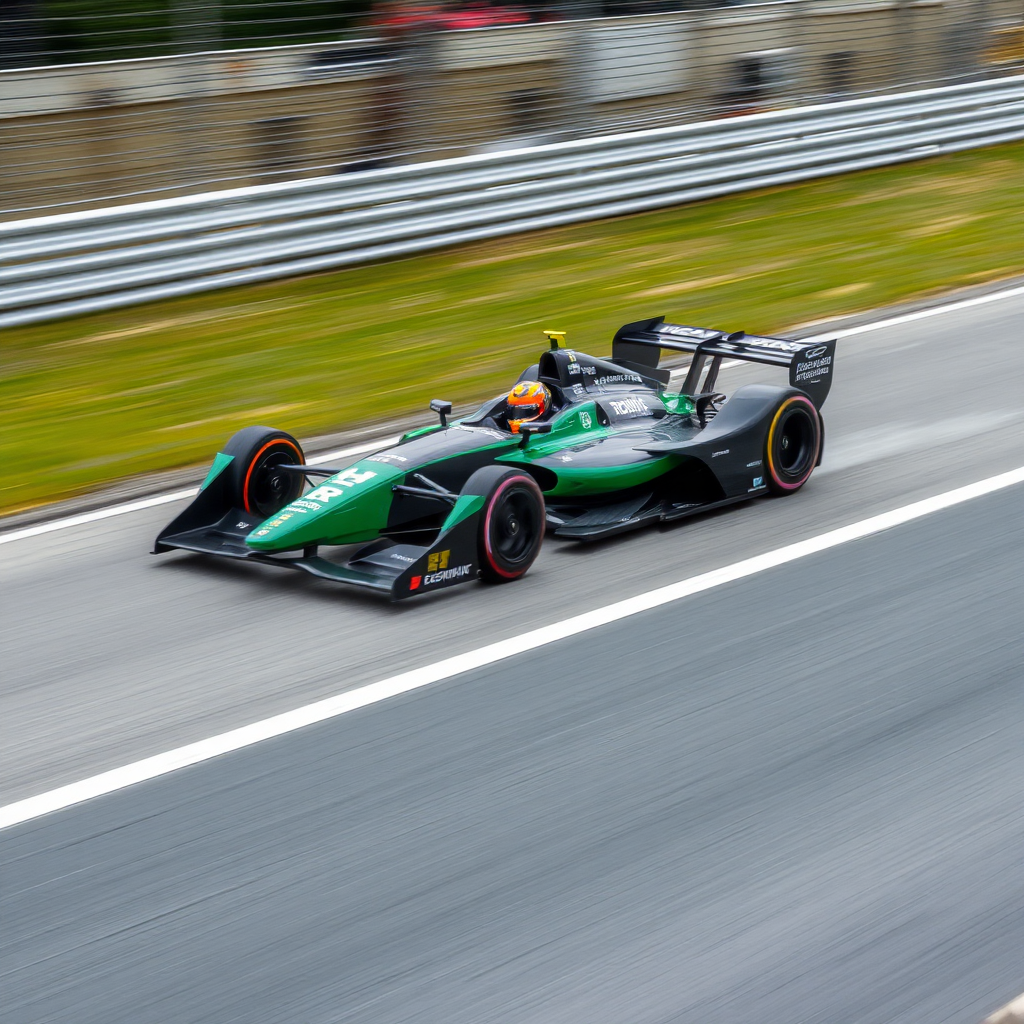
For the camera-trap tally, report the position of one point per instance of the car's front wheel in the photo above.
(511, 522)
(258, 484)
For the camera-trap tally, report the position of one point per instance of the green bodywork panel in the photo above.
(578, 457)
(467, 505)
(220, 463)
(352, 506)
(576, 425)
(347, 508)
(410, 435)
(583, 480)
(678, 404)
(575, 433)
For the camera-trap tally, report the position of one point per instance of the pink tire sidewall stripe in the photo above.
(786, 486)
(487, 524)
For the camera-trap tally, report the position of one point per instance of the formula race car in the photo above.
(582, 448)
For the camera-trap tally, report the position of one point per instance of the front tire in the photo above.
(793, 445)
(511, 522)
(257, 484)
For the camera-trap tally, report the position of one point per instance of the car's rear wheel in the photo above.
(793, 445)
(511, 522)
(258, 484)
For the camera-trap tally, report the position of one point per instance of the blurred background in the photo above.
(794, 797)
(120, 100)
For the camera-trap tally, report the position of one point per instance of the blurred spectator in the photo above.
(396, 17)
(407, 31)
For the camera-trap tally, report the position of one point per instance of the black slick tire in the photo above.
(511, 522)
(793, 444)
(258, 486)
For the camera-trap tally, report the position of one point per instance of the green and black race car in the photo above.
(453, 502)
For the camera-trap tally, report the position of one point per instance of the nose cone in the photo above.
(349, 507)
(290, 529)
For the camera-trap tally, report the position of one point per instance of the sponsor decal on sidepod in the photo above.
(630, 407)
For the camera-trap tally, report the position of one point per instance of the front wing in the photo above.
(210, 525)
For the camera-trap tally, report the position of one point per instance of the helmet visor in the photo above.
(525, 412)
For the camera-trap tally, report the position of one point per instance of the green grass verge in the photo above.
(90, 400)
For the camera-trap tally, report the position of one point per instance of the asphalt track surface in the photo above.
(805, 807)
(799, 792)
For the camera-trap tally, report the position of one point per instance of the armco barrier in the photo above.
(59, 266)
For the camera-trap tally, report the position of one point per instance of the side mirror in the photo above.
(527, 430)
(442, 408)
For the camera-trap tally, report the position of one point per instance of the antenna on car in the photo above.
(555, 337)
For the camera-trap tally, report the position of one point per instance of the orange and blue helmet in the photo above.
(527, 401)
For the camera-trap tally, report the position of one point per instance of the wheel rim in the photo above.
(269, 488)
(796, 443)
(513, 527)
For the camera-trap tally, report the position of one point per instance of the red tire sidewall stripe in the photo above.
(256, 458)
(503, 486)
(785, 485)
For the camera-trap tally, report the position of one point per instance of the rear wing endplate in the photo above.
(638, 346)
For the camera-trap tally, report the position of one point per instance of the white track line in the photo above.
(921, 314)
(374, 693)
(163, 499)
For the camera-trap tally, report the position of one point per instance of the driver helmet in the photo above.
(527, 401)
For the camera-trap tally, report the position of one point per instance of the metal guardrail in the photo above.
(124, 102)
(52, 267)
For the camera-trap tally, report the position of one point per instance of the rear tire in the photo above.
(511, 522)
(257, 485)
(793, 445)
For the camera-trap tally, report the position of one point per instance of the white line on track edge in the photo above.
(374, 693)
(920, 314)
(163, 499)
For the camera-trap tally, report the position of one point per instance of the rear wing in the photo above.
(637, 347)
